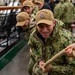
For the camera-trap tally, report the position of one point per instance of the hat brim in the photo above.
(45, 22)
(38, 2)
(20, 23)
(26, 6)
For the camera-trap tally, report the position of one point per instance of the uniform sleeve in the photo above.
(63, 70)
(67, 67)
(34, 51)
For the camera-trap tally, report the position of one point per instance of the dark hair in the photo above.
(22, 9)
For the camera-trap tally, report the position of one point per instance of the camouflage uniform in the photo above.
(31, 27)
(67, 14)
(35, 10)
(58, 40)
(28, 31)
(58, 9)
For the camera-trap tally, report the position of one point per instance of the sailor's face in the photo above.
(45, 30)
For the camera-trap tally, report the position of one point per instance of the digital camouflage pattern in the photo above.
(58, 40)
(58, 9)
(28, 31)
(35, 10)
(65, 12)
(31, 27)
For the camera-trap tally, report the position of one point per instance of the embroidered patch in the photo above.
(25, 3)
(42, 16)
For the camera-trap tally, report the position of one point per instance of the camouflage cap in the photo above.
(28, 3)
(39, 1)
(21, 18)
(44, 16)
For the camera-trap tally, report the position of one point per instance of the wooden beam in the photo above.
(10, 7)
